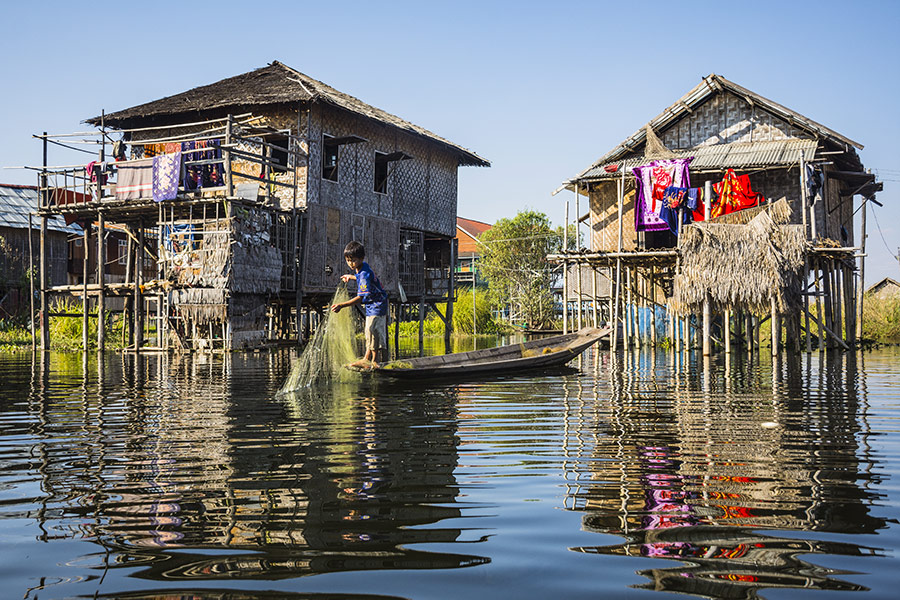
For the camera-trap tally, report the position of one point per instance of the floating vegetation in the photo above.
(398, 364)
(332, 346)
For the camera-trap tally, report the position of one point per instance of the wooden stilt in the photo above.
(726, 333)
(45, 308)
(138, 295)
(776, 331)
(85, 274)
(101, 280)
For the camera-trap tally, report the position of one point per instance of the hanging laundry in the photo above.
(649, 194)
(694, 203)
(674, 202)
(611, 168)
(135, 179)
(814, 183)
(735, 194)
(166, 173)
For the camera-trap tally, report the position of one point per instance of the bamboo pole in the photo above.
(776, 332)
(85, 272)
(707, 316)
(861, 285)
(101, 281)
(578, 249)
(653, 306)
(727, 332)
(451, 293)
(31, 283)
(594, 320)
(138, 281)
(565, 302)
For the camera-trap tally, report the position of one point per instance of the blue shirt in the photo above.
(369, 288)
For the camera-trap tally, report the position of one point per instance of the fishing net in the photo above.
(332, 346)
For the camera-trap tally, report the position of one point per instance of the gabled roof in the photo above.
(884, 283)
(16, 201)
(471, 227)
(708, 87)
(275, 83)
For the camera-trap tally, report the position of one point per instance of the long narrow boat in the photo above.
(541, 353)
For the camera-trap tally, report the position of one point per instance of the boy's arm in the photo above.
(348, 277)
(350, 302)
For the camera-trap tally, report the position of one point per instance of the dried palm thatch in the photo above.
(740, 266)
(654, 148)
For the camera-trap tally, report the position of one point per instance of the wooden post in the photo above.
(829, 299)
(776, 330)
(578, 309)
(629, 327)
(594, 307)
(101, 277)
(138, 281)
(652, 293)
(451, 292)
(707, 316)
(861, 285)
(565, 302)
(422, 320)
(727, 333)
(229, 180)
(31, 283)
(803, 190)
(45, 316)
(43, 195)
(85, 268)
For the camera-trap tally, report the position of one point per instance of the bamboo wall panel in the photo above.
(726, 119)
(604, 228)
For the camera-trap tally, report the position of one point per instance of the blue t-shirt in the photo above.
(369, 288)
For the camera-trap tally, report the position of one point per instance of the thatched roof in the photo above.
(741, 266)
(273, 84)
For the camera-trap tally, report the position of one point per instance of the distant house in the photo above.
(468, 249)
(16, 202)
(886, 289)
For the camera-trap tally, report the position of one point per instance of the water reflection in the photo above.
(696, 468)
(192, 469)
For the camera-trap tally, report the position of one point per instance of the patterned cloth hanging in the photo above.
(652, 180)
(734, 194)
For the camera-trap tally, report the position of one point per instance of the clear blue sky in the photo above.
(541, 89)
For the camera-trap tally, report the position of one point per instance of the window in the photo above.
(329, 158)
(279, 155)
(123, 252)
(381, 173)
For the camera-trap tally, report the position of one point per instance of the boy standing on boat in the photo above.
(372, 295)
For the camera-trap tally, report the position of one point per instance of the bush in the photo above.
(881, 320)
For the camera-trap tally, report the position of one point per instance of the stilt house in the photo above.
(788, 248)
(251, 187)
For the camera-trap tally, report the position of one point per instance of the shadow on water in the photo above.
(716, 469)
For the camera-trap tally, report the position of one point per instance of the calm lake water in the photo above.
(626, 476)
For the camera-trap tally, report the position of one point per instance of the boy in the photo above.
(372, 295)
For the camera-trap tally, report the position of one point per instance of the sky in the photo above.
(540, 89)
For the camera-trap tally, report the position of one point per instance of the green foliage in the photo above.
(463, 315)
(65, 332)
(881, 320)
(514, 263)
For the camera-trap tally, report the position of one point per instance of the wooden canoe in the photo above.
(541, 353)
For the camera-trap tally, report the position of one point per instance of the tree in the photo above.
(514, 263)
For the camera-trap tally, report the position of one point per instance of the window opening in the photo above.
(381, 173)
(279, 155)
(329, 158)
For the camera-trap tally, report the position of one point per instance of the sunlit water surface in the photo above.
(626, 476)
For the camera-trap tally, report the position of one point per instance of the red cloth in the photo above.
(735, 194)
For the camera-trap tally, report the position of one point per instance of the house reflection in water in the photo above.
(700, 477)
(185, 482)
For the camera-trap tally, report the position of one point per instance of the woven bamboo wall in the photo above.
(421, 192)
(726, 119)
(604, 232)
(329, 230)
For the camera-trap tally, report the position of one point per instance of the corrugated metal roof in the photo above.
(721, 156)
(16, 201)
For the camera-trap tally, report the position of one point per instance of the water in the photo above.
(628, 476)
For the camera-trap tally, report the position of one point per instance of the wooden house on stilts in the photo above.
(724, 211)
(250, 188)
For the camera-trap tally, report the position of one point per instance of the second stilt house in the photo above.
(725, 210)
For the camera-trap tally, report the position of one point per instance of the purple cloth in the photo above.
(646, 215)
(166, 173)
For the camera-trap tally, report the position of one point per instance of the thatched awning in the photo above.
(274, 84)
(740, 266)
